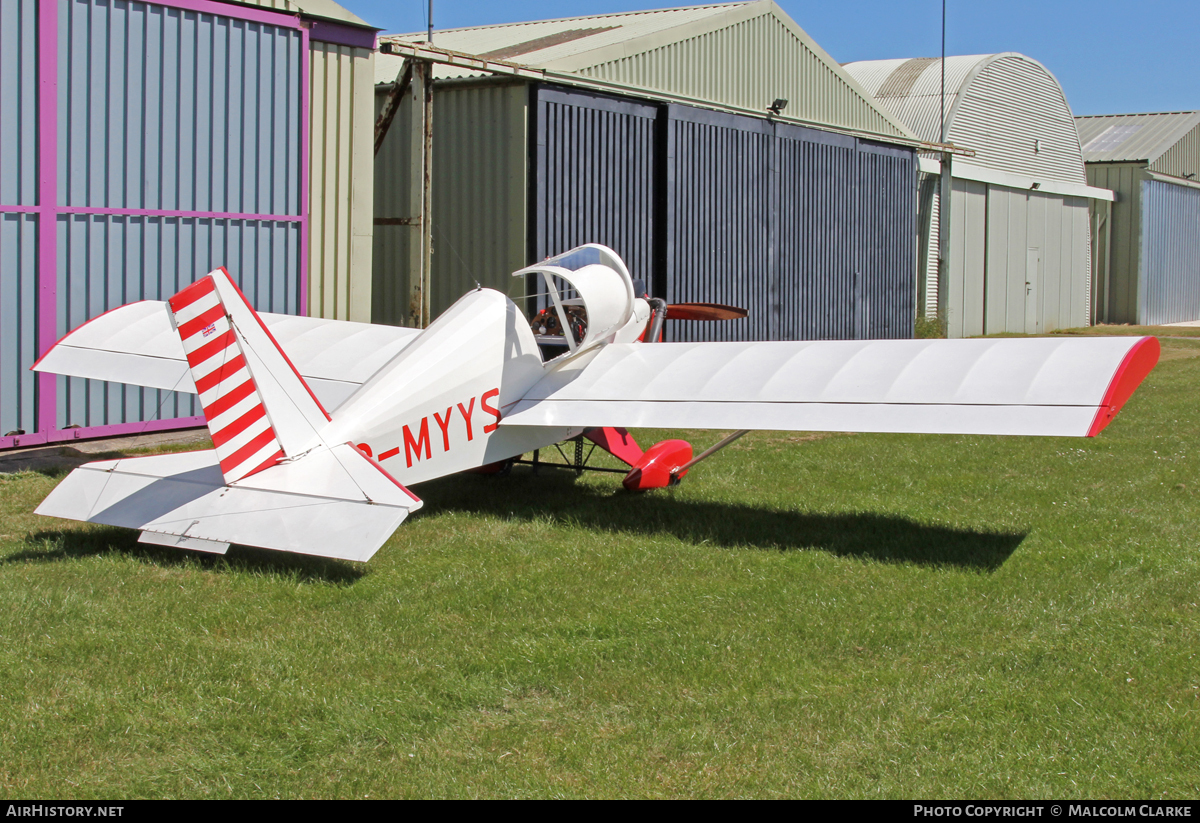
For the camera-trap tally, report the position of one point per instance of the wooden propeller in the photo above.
(703, 311)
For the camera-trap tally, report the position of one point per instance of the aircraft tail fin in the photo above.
(258, 407)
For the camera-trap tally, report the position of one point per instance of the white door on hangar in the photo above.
(1033, 270)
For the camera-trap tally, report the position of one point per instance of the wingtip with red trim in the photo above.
(1137, 364)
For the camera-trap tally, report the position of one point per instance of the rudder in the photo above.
(258, 408)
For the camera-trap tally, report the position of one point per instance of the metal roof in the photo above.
(1008, 108)
(910, 89)
(738, 55)
(1124, 138)
(549, 43)
(327, 9)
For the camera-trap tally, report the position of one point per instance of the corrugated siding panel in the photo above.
(1011, 103)
(595, 182)
(18, 102)
(18, 321)
(1055, 229)
(928, 229)
(321, 9)
(886, 219)
(342, 179)
(812, 232)
(719, 225)
(1089, 286)
(962, 293)
(480, 156)
(1171, 263)
(108, 261)
(18, 231)
(161, 108)
(1065, 263)
(997, 285)
(748, 65)
(1076, 265)
(1120, 305)
(390, 283)
(479, 184)
(281, 5)
(1004, 291)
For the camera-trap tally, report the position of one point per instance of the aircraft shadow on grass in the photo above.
(551, 494)
(50, 545)
(878, 537)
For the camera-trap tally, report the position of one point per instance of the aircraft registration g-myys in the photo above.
(320, 426)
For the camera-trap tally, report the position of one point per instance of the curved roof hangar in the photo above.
(1007, 107)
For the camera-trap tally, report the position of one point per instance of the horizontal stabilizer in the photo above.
(330, 503)
(1038, 386)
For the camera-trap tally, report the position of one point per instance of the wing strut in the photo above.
(709, 452)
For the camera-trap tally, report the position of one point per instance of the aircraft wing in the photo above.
(136, 344)
(1031, 386)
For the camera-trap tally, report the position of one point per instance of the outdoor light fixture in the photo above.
(779, 105)
(1036, 186)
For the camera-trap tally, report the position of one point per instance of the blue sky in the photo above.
(1110, 57)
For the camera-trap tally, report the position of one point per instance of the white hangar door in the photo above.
(1018, 261)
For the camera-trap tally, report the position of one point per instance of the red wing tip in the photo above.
(1137, 364)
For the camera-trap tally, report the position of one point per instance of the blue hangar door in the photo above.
(813, 232)
(157, 143)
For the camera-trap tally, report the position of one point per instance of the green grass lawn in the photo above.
(806, 616)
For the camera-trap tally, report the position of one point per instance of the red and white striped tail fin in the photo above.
(259, 409)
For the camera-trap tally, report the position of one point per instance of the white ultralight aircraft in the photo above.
(320, 426)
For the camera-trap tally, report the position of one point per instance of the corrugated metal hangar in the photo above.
(653, 133)
(1016, 255)
(144, 144)
(1148, 251)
